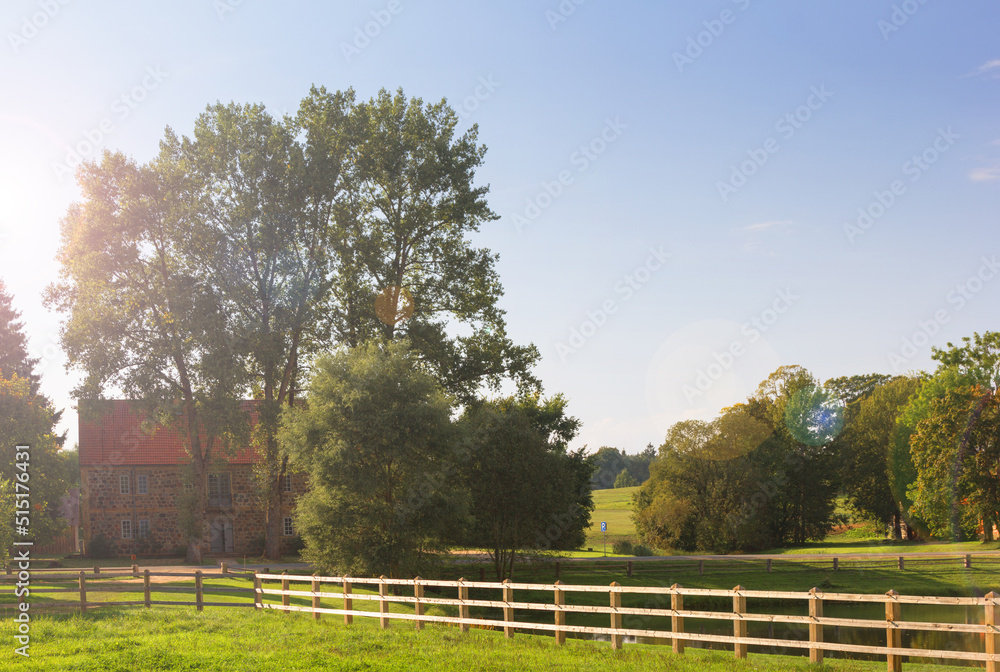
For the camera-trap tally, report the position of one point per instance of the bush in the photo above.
(625, 480)
(99, 547)
(296, 545)
(256, 546)
(642, 551)
(622, 547)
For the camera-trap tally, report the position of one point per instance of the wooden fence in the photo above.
(782, 563)
(740, 616)
(312, 599)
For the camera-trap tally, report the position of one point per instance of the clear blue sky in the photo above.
(659, 126)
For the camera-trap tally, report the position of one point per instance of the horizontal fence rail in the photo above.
(307, 591)
(783, 563)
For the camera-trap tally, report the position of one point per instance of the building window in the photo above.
(188, 487)
(126, 529)
(288, 482)
(219, 491)
(143, 529)
(123, 484)
(142, 484)
(289, 529)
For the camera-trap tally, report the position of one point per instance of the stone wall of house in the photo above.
(104, 507)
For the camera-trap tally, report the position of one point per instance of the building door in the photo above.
(221, 536)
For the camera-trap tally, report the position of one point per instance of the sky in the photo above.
(691, 194)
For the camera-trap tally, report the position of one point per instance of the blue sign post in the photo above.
(604, 529)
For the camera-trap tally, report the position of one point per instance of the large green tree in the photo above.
(375, 426)
(864, 451)
(14, 358)
(140, 318)
(528, 492)
(952, 434)
(956, 451)
(759, 475)
(266, 208)
(403, 245)
(42, 471)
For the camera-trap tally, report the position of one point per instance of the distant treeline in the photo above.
(614, 468)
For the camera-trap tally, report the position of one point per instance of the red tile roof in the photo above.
(120, 438)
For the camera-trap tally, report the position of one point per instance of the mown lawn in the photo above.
(841, 544)
(613, 506)
(235, 639)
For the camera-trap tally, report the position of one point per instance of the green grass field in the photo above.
(162, 639)
(613, 506)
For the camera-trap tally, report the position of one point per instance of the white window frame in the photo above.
(126, 529)
(288, 483)
(143, 533)
(142, 484)
(124, 484)
(288, 528)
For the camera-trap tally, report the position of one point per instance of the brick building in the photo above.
(133, 473)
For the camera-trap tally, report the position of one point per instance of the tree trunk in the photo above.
(897, 532)
(273, 531)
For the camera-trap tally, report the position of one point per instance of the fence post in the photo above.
(560, 601)
(815, 627)
(463, 608)
(315, 600)
(676, 622)
(769, 565)
(628, 568)
(508, 609)
(83, 593)
(135, 571)
(225, 568)
(901, 563)
(199, 593)
(968, 562)
(383, 604)
(145, 587)
(348, 602)
(418, 607)
(701, 567)
(286, 600)
(97, 570)
(739, 625)
(835, 565)
(893, 636)
(616, 617)
(557, 570)
(992, 638)
(258, 597)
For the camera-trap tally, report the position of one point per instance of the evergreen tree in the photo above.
(14, 359)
